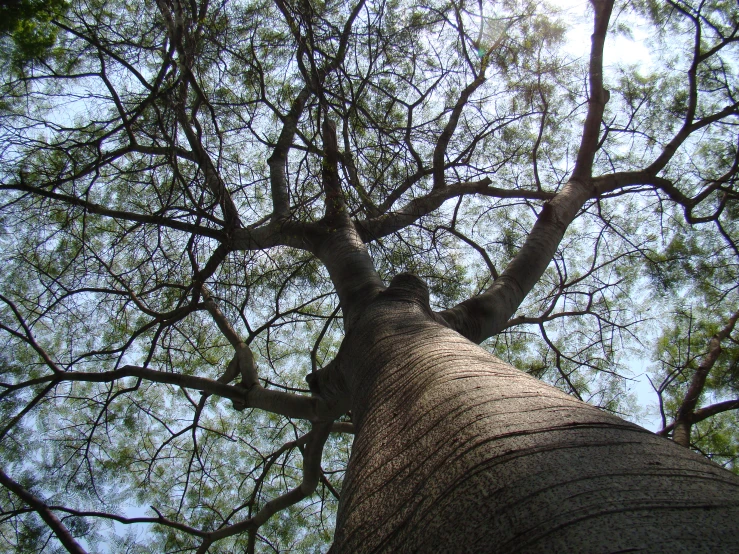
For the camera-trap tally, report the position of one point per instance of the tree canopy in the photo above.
(176, 177)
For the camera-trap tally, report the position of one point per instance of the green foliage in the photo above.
(110, 222)
(26, 29)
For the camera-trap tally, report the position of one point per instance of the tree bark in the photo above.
(456, 451)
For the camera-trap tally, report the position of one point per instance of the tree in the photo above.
(26, 31)
(205, 201)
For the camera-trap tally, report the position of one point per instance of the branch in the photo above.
(443, 142)
(38, 505)
(176, 31)
(689, 124)
(311, 475)
(330, 173)
(243, 361)
(91, 207)
(598, 95)
(710, 411)
(484, 315)
(278, 402)
(685, 414)
(314, 441)
(28, 336)
(27, 408)
(160, 519)
(386, 224)
(480, 250)
(278, 160)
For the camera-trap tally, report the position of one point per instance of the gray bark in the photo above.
(456, 451)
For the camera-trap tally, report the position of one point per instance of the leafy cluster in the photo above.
(162, 175)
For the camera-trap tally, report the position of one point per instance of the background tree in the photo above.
(202, 200)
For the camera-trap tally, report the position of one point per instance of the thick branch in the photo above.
(352, 271)
(614, 181)
(704, 413)
(443, 142)
(330, 172)
(684, 418)
(714, 409)
(414, 210)
(38, 505)
(278, 402)
(484, 315)
(285, 233)
(243, 360)
(311, 475)
(598, 95)
(91, 207)
(278, 160)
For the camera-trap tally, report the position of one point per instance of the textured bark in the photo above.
(346, 258)
(457, 451)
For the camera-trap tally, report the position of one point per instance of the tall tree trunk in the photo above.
(457, 451)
